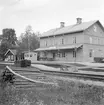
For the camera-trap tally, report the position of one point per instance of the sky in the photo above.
(43, 15)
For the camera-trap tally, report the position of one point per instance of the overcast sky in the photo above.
(43, 15)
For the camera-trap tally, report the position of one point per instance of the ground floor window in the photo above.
(27, 55)
(53, 55)
(63, 54)
(30, 55)
(12, 57)
(45, 54)
(74, 54)
(90, 52)
(59, 54)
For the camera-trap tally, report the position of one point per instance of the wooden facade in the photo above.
(30, 55)
(10, 55)
(81, 42)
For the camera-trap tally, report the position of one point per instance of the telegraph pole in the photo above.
(75, 53)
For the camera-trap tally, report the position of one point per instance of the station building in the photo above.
(80, 42)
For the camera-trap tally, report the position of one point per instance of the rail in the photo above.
(28, 79)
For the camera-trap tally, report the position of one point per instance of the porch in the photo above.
(59, 53)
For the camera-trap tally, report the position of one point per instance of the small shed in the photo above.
(11, 55)
(30, 55)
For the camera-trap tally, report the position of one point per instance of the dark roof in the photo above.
(69, 29)
(27, 51)
(14, 52)
(59, 47)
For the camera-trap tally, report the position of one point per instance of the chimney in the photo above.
(62, 24)
(79, 20)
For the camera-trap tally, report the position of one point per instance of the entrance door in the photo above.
(53, 55)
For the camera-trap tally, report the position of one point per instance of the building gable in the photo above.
(11, 52)
(95, 30)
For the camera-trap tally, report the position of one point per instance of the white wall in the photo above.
(31, 56)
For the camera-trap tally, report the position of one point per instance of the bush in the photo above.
(17, 63)
(23, 63)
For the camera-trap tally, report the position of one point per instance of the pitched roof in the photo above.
(69, 29)
(27, 51)
(14, 52)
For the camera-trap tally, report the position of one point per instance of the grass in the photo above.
(58, 65)
(66, 93)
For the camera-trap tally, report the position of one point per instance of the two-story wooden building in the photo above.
(81, 42)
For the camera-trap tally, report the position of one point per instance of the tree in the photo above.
(28, 40)
(3, 48)
(8, 41)
(9, 36)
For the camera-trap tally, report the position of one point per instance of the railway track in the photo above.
(32, 77)
(35, 77)
(28, 79)
(96, 77)
(91, 73)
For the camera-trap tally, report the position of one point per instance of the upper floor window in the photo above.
(45, 43)
(42, 43)
(99, 42)
(90, 40)
(74, 39)
(62, 41)
(52, 41)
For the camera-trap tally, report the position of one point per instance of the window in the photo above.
(74, 54)
(55, 41)
(74, 39)
(45, 54)
(95, 28)
(52, 41)
(90, 40)
(90, 52)
(98, 40)
(54, 55)
(30, 55)
(59, 55)
(62, 41)
(63, 54)
(45, 43)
